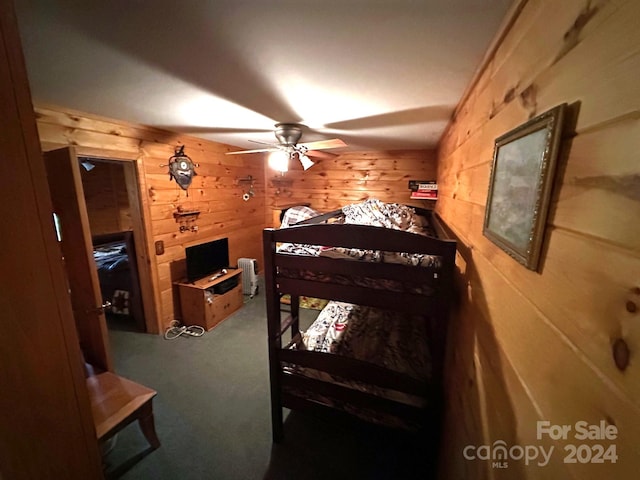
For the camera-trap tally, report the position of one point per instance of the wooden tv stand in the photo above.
(201, 305)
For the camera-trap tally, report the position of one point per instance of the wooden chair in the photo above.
(116, 402)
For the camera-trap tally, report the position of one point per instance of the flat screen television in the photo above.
(207, 258)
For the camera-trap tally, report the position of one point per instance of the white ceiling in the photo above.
(379, 74)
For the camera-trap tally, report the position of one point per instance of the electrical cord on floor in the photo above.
(176, 330)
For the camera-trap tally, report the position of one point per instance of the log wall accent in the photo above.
(353, 177)
(215, 191)
(539, 346)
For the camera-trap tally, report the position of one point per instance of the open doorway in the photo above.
(112, 223)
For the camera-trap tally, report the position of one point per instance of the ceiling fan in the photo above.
(288, 135)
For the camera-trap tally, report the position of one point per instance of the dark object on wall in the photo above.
(524, 163)
(181, 169)
(621, 354)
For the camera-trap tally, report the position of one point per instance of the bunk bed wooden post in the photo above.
(440, 327)
(273, 336)
(446, 294)
(444, 303)
(295, 315)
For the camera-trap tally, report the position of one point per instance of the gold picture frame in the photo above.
(522, 175)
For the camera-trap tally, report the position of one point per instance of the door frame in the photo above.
(140, 226)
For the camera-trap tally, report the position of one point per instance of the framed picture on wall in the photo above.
(524, 164)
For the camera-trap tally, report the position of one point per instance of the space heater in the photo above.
(249, 268)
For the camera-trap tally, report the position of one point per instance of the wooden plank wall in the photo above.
(105, 193)
(215, 191)
(353, 177)
(529, 346)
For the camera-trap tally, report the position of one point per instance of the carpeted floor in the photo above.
(212, 415)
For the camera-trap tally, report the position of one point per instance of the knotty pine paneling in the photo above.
(531, 346)
(354, 177)
(105, 194)
(215, 191)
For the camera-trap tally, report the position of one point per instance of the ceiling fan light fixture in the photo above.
(279, 161)
(287, 148)
(288, 133)
(305, 161)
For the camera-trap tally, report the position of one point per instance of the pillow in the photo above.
(297, 214)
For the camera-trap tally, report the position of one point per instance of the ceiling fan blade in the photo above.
(319, 154)
(196, 130)
(274, 145)
(322, 144)
(411, 116)
(259, 150)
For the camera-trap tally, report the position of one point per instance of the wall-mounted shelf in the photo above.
(186, 214)
(423, 190)
(245, 180)
(248, 180)
(186, 219)
(282, 182)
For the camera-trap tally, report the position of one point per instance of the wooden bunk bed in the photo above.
(398, 297)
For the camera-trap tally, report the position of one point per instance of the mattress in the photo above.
(395, 341)
(111, 256)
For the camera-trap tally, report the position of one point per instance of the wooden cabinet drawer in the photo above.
(221, 306)
(200, 306)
